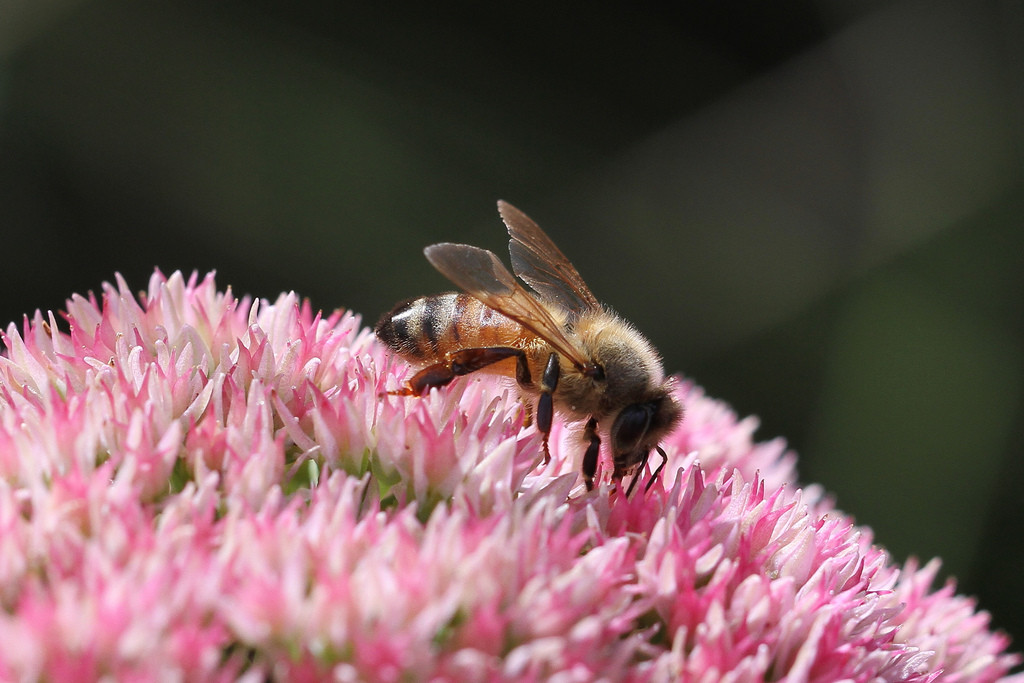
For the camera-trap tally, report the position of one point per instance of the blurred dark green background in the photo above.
(814, 208)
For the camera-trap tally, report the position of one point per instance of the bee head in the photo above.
(640, 426)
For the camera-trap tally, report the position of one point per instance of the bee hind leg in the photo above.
(527, 412)
(460, 363)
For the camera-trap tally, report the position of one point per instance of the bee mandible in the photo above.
(577, 357)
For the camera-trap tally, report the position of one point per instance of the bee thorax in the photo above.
(632, 368)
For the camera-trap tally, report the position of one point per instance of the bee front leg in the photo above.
(546, 403)
(658, 469)
(638, 473)
(590, 457)
(462, 363)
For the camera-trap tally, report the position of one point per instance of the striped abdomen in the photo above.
(424, 329)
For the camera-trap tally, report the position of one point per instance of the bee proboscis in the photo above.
(577, 357)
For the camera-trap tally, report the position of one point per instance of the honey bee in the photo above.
(562, 346)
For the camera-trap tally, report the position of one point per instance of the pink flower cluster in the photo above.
(197, 487)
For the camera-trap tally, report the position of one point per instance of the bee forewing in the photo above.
(480, 273)
(476, 270)
(541, 264)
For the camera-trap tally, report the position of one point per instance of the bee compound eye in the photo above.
(630, 426)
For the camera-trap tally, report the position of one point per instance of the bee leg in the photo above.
(657, 471)
(527, 413)
(640, 471)
(590, 457)
(462, 363)
(639, 474)
(546, 404)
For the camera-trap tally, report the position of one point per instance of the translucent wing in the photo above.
(483, 276)
(540, 264)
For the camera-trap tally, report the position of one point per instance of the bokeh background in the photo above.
(813, 207)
